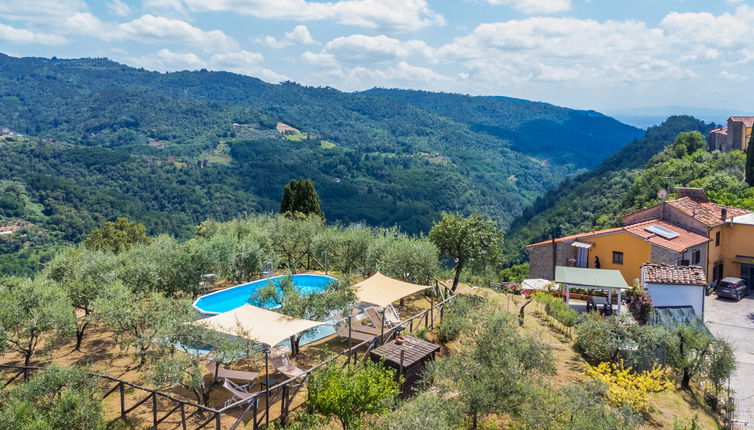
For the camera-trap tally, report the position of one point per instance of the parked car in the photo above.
(733, 288)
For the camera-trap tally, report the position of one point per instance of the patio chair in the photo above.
(237, 393)
(376, 318)
(360, 336)
(391, 315)
(282, 363)
(249, 378)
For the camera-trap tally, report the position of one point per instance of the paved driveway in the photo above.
(734, 321)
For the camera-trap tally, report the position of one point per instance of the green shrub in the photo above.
(558, 309)
(348, 393)
(455, 318)
(57, 398)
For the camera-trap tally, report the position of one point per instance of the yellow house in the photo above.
(732, 249)
(624, 248)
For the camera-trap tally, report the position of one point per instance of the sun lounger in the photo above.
(219, 372)
(237, 393)
(282, 363)
(357, 335)
(376, 317)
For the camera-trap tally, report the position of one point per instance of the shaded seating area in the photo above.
(282, 362)
(593, 279)
(265, 327)
(381, 291)
(220, 373)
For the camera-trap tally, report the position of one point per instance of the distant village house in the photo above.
(735, 136)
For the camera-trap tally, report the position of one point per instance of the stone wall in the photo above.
(662, 255)
(540, 258)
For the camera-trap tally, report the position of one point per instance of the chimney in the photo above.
(724, 214)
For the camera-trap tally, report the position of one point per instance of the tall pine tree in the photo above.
(750, 162)
(299, 196)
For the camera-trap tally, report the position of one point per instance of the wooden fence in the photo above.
(168, 410)
(184, 412)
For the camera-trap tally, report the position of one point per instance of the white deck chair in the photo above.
(391, 315)
(237, 393)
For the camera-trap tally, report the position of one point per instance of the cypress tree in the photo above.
(300, 196)
(750, 162)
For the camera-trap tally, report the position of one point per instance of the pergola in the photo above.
(382, 290)
(591, 279)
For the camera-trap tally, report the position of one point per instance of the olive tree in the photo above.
(56, 398)
(471, 240)
(292, 302)
(82, 273)
(292, 238)
(117, 236)
(499, 364)
(173, 367)
(348, 393)
(32, 311)
(139, 320)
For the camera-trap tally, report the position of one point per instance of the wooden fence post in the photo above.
(154, 411)
(122, 390)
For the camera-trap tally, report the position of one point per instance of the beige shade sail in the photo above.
(261, 325)
(381, 290)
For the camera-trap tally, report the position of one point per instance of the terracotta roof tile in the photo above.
(747, 120)
(720, 130)
(708, 213)
(673, 275)
(685, 240)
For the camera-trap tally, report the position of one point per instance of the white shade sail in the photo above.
(261, 325)
(381, 290)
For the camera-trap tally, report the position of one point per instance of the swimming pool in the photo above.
(234, 297)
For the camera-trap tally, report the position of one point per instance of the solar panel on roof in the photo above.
(661, 231)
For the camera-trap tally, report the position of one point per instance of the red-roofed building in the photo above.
(690, 230)
(157, 144)
(735, 136)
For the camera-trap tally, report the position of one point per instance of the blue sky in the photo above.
(597, 54)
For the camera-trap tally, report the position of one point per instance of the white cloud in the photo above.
(151, 29)
(535, 6)
(24, 36)
(728, 76)
(40, 11)
(360, 48)
(391, 15)
(401, 74)
(119, 8)
(593, 52)
(245, 63)
(300, 34)
(166, 60)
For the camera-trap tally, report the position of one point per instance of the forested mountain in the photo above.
(626, 181)
(171, 149)
(558, 134)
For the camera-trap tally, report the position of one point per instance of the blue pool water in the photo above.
(235, 297)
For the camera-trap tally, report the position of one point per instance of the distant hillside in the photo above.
(102, 139)
(595, 199)
(558, 134)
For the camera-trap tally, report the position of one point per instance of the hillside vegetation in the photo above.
(557, 134)
(671, 155)
(103, 140)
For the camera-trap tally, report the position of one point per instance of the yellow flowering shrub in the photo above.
(628, 388)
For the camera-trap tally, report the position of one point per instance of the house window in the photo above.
(717, 238)
(696, 257)
(617, 257)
